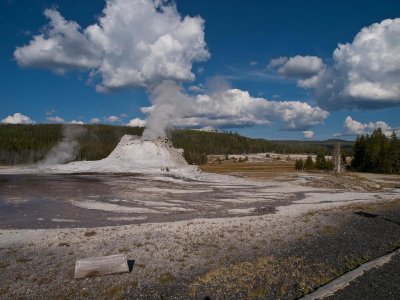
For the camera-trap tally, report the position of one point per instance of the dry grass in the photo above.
(259, 170)
(3, 265)
(124, 250)
(352, 263)
(166, 278)
(373, 206)
(266, 277)
(116, 291)
(345, 181)
(328, 230)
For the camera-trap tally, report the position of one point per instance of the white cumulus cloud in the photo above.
(301, 66)
(17, 118)
(196, 88)
(95, 120)
(55, 119)
(60, 47)
(134, 43)
(308, 134)
(136, 122)
(113, 119)
(235, 107)
(77, 122)
(365, 73)
(353, 127)
(276, 62)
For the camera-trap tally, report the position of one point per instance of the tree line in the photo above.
(22, 144)
(377, 153)
(198, 144)
(321, 163)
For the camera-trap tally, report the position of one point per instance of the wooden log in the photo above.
(102, 265)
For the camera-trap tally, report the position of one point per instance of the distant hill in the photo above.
(328, 145)
(328, 142)
(21, 144)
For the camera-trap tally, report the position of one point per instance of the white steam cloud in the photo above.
(169, 104)
(66, 150)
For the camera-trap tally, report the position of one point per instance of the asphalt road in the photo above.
(380, 283)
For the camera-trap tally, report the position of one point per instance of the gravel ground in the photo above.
(342, 241)
(272, 257)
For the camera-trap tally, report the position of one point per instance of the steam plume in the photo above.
(66, 150)
(169, 103)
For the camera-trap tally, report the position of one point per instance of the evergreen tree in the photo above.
(329, 165)
(320, 162)
(377, 153)
(309, 165)
(394, 153)
(358, 162)
(299, 165)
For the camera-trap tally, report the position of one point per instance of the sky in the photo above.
(269, 69)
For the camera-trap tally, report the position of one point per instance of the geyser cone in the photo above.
(147, 153)
(133, 155)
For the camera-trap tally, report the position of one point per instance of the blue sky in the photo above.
(241, 39)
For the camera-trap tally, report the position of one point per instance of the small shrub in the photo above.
(166, 278)
(23, 260)
(90, 233)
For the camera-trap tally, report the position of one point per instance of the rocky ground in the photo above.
(282, 255)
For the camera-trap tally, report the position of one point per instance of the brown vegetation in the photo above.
(259, 170)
